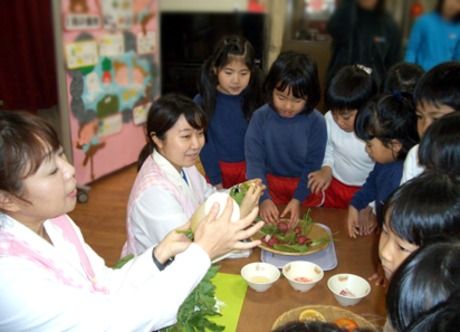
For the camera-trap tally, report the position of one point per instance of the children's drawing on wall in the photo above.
(142, 13)
(81, 16)
(115, 89)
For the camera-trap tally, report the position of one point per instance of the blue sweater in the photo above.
(380, 183)
(433, 40)
(288, 147)
(225, 135)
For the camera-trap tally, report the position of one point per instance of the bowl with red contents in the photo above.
(302, 275)
(348, 288)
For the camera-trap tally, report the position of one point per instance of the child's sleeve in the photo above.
(316, 147)
(254, 150)
(367, 193)
(329, 153)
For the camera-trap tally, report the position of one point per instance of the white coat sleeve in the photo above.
(140, 298)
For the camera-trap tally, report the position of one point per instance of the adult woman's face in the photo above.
(368, 4)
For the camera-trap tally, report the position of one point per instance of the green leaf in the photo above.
(123, 261)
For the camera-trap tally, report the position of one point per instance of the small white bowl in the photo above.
(348, 289)
(302, 275)
(260, 276)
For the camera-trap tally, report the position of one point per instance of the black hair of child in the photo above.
(440, 86)
(429, 276)
(389, 117)
(350, 89)
(439, 148)
(403, 77)
(425, 207)
(299, 73)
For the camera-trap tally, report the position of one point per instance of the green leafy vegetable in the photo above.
(199, 305)
(123, 261)
(238, 191)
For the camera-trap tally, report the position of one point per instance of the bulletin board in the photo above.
(111, 76)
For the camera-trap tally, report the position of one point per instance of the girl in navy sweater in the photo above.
(230, 91)
(286, 137)
(388, 125)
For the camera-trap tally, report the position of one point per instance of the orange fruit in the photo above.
(346, 323)
(311, 315)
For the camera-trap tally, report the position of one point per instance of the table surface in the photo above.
(357, 256)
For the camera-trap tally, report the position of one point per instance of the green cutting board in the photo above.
(231, 290)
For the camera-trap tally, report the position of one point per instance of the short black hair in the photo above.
(425, 279)
(440, 86)
(439, 148)
(403, 77)
(426, 206)
(388, 117)
(298, 72)
(350, 88)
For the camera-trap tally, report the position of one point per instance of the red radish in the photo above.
(298, 230)
(302, 239)
(283, 227)
(273, 241)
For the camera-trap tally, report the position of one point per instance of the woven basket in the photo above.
(331, 313)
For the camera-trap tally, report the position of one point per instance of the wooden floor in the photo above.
(102, 218)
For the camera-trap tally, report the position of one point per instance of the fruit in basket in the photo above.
(311, 315)
(346, 323)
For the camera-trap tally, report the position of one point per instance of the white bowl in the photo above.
(348, 289)
(302, 275)
(260, 276)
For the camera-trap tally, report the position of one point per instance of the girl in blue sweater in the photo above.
(388, 125)
(230, 90)
(286, 137)
(435, 36)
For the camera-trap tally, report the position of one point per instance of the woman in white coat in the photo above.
(51, 280)
(169, 188)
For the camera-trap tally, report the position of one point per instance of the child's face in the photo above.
(181, 145)
(427, 113)
(393, 250)
(233, 78)
(345, 119)
(381, 153)
(286, 104)
(49, 192)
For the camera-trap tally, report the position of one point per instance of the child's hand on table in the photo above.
(293, 210)
(269, 212)
(353, 222)
(367, 221)
(320, 180)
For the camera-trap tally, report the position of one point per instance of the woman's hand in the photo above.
(353, 222)
(320, 180)
(269, 211)
(174, 243)
(293, 210)
(251, 199)
(218, 235)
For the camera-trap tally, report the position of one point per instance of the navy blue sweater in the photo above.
(288, 147)
(225, 135)
(380, 183)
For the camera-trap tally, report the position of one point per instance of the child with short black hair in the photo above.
(423, 283)
(387, 124)
(436, 94)
(286, 137)
(403, 77)
(346, 164)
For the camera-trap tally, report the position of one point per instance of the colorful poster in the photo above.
(112, 79)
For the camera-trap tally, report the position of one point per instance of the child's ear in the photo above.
(158, 142)
(396, 146)
(8, 203)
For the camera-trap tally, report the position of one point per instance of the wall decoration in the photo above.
(112, 79)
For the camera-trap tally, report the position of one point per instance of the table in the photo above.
(355, 256)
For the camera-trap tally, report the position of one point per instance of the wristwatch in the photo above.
(159, 265)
